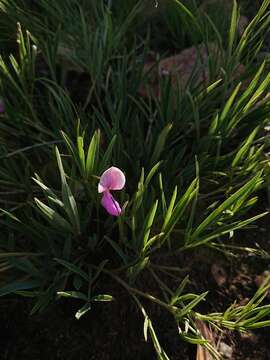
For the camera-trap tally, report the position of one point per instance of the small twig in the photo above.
(172, 309)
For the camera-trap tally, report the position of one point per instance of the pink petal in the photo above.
(112, 179)
(110, 204)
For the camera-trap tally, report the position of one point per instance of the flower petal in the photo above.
(110, 204)
(112, 179)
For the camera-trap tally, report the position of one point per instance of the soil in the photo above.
(114, 330)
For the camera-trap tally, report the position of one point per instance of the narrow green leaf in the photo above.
(226, 229)
(189, 16)
(93, 154)
(259, 325)
(228, 105)
(9, 214)
(148, 223)
(170, 209)
(179, 290)
(68, 198)
(82, 311)
(243, 192)
(151, 173)
(48, 192)
(73, 294)
(245, 147)
(18, 285)
(180, 208)
(186, 309)
(56, 219)
(250, 89)
(163, 199)
(145, 327)
(233, 27)
(160, 144)
(73, 268)
(80, 147)
(153, 240)
(106, 159)
(102, 297)
(72, 150)
(257, 95)
(118, 250)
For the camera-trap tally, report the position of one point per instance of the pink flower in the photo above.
(112, 179)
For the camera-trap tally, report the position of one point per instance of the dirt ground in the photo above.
(114, 331)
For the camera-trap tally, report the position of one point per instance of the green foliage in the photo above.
(193, 157)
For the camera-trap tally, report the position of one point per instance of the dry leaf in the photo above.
(202, 352)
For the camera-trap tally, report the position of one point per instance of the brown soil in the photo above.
(114, 331)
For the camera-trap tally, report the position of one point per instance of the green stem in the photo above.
(131, 290)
